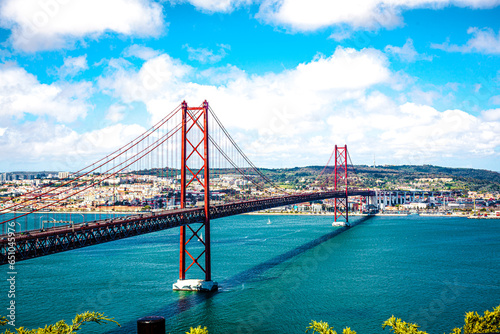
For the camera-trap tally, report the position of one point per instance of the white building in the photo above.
(416, 206)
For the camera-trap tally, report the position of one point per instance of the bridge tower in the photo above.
(194, 164)
(341, 204)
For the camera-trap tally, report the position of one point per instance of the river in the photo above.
(277, 273)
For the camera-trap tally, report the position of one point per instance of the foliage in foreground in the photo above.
(198, 330)
(61, 327)
(489, 322)
(473, 323)
(324, 328)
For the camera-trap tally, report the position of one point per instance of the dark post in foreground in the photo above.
(151, 325)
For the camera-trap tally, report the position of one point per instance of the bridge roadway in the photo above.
(37, 243)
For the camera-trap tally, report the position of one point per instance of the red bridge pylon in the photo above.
(341, 204)
(194, 164)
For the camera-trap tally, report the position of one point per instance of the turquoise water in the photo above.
(276, 278)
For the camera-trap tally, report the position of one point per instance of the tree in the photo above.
(61, 327)
(474, 324)
(324, 328)
(401, 327)
(197, 330)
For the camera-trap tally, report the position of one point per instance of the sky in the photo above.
(401, 82)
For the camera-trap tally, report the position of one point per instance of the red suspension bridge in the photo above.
(193, 159)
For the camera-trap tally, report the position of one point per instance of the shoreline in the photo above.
(256, 213)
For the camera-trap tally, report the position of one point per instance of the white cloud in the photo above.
(73, 66)
(341, 34)
(221, 75)
(115, 113)
(58, 147)
(21, 94)
(286, 118)
(311, 15)
(212, 6)
(158, 76)
(495, 99)
(45, 25)
(482, 41)
(141, 52)
(424, 97)
(413, 133)
(407, 52)
(491, 115)
(204, 55)
(264, 102)
(279, 107)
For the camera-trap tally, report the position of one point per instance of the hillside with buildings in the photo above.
(160, 188)
(405, 177)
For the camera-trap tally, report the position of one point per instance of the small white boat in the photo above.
(268, 221)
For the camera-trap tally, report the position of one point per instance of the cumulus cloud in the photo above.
(495, 99)
(297, 115)
(158, 76)
(407, 52)
(491, 114)
(212, 6)
(412, 133)
(292, 94)
(204, 55)
(73, 66)
(58, 147)
(141, 52)
(46, 25)
(21, 94)
(482, 41)
(115, 113)
(316, 14)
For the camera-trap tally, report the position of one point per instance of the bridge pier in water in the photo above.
(190, 123)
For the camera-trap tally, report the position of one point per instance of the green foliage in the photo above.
(399, 326)
(474, 323)
(322, 327)
(61, 327)
(198, 330)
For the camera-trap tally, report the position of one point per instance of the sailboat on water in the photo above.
(268, 221)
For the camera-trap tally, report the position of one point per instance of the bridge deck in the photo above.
(64, 238)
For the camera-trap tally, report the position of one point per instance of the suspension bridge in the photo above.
(191, 156)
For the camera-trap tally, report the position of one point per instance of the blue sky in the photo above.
(404, 81)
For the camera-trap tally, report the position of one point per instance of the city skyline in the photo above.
(408, 82)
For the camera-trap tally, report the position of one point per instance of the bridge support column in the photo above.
(195, 119)
(341, 204)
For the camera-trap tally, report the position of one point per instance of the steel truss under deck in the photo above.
(65, 238)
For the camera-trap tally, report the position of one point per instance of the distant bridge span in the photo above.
(64, 238)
